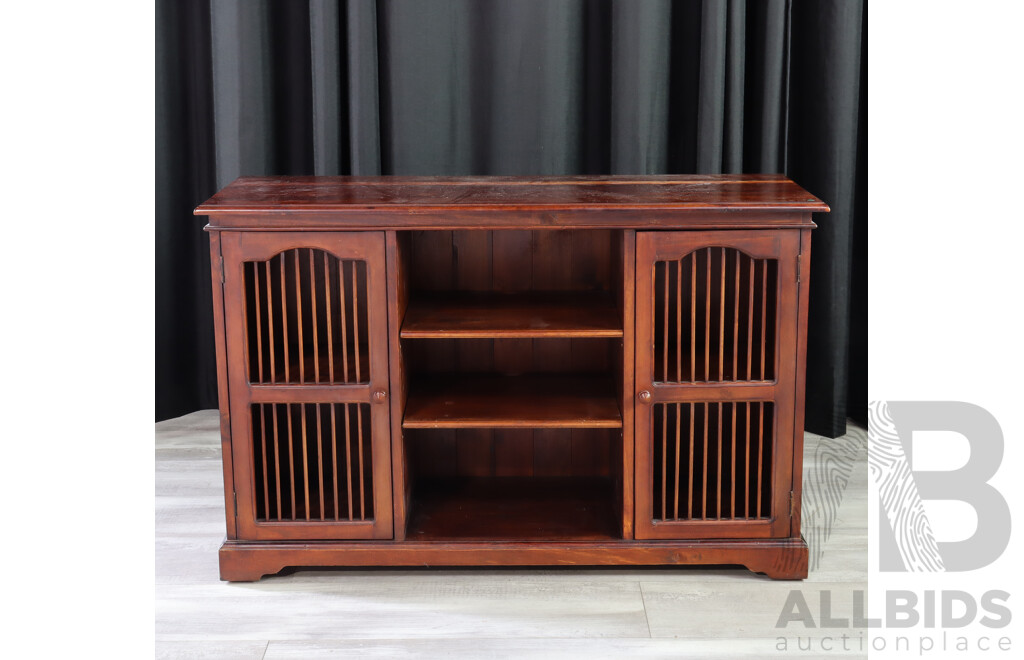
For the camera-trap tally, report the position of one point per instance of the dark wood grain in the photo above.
(223, 384)
(411, 194)
(776, 345)
(398, 257)
(781, 559)
(625, 354)
(293, 439)
(512, 315)
(801, 376)
(483, 401)
(461, 371)
(514, 509)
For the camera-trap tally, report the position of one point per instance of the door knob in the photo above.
(644, 396)
(379, 396)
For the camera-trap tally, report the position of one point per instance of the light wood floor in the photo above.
(595, 613)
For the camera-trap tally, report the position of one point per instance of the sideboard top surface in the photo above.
(571, 201)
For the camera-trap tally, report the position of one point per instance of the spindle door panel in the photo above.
(305, 313)
(716, 323)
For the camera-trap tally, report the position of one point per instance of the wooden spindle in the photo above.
(707, 320)
(305, 458)
(316, 338)
(362, 486)
(284, 326)
(355, 329)
(348, 456)
(291, 459)
(664, 333)
(693, 320)
(262, 444)
(679, 320)
(263, 450)
(277, 462)
(721, 325)
(704, 472)
(344, 325)
(675, 498)
(664, 460)
(334, 459)
(298, 317)
(718, 500)
(270, 323)
(732, 465)
(746, 476)
(736, 322)
(764, 313)
(760, 452)
(690, 481)
(259, 320)
(330, 332)
(320, 461)
(750, 325)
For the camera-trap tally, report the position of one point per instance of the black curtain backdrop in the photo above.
(448, 87)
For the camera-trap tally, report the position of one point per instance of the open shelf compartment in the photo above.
(469, 315)
(513, 509)
(456, 401)
(511, 413)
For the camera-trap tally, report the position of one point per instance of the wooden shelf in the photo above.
(513, 509)
(485, 401)
(568, 314)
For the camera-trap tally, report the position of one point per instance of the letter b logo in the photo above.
(905, 533)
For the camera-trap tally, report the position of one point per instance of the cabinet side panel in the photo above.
(801, 380)
(788, 436)
(223, 402)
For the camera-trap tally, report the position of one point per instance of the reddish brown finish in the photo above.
(514, 509)
(625, 384)
(522, 265)
(512, 402)
(781, 559)
(331, 481)
(772, 192)
(223, 392)
(509, 315)
(801, 374)
(397, 250)
(781, 248)
(508, 325)
(293, 442)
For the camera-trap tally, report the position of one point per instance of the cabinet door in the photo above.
(306, 327)
(716, 329)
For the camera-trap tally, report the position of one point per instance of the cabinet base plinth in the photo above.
(246, 561)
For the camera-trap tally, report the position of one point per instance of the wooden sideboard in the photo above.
(428, 371)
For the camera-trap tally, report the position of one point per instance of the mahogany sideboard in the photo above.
(427, 371)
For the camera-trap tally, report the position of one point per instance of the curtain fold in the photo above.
(450, 87)
(330, 119)
(640, 60)
(824, 130)
(363, 90)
